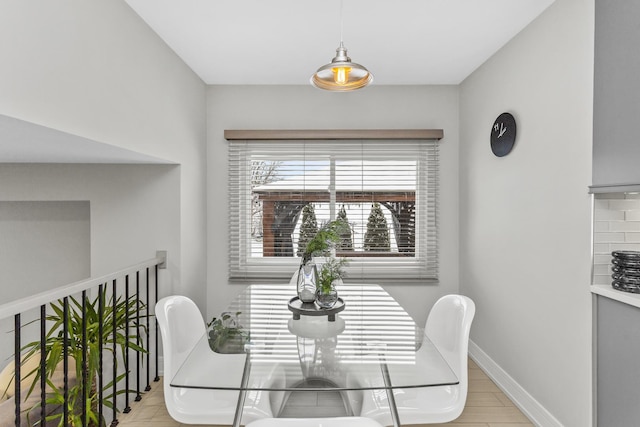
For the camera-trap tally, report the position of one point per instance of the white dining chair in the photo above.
(448, 327)
(315, 422)
(182, 326)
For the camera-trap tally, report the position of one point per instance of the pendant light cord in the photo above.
(341, 19)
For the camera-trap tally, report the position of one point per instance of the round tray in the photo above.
(299, 308)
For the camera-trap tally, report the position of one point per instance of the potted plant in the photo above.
(331, 274)
(226, 334)
(116, 332)
(310, 282)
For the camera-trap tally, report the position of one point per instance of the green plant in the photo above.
(116, 333)
(376, 237)
(325, 239)
(227, 334)
(346, 238)
(308, 228)
(331, 270)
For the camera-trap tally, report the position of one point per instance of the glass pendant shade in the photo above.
(341, 75)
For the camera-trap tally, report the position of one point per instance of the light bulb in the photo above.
(341, 75)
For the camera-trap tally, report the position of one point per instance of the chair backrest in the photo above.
(181, 326)
(448, 327)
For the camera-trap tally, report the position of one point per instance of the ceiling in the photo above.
(251, 42)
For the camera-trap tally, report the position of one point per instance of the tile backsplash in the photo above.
(616, 227)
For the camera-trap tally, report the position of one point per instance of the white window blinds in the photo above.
(387, 190)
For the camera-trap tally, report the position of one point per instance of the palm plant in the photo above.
(116, 329)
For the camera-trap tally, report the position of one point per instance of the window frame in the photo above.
(243, 267)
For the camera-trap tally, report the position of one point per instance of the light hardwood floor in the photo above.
(486, 406)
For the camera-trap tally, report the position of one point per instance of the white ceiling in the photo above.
(286, 41)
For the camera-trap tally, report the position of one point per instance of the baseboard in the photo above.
(537, 413)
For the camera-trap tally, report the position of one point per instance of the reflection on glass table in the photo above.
(372, 345)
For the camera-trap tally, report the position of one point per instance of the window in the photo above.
(282, 190)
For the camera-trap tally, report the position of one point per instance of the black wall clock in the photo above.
(503, 134)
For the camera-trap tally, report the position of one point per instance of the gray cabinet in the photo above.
(618, 367)
(616, 129)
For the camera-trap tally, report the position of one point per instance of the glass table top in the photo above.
(372, 344)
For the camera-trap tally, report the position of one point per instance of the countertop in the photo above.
(609, 292)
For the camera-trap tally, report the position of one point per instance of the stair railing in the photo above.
(139, 286)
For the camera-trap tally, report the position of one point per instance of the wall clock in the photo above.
(503, 134)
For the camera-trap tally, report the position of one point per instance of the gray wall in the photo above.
(616, 105)
(54, 236)
(96, 70)
(133, 208)
(525, 218)
(304, 107)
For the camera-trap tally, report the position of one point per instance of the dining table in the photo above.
(366, 343)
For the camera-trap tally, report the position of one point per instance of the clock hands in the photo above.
(501, 129)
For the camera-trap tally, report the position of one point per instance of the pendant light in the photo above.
(341, 75)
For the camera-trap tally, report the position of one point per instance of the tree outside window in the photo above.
(376, 238)
(308, 228)
(346, 234)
